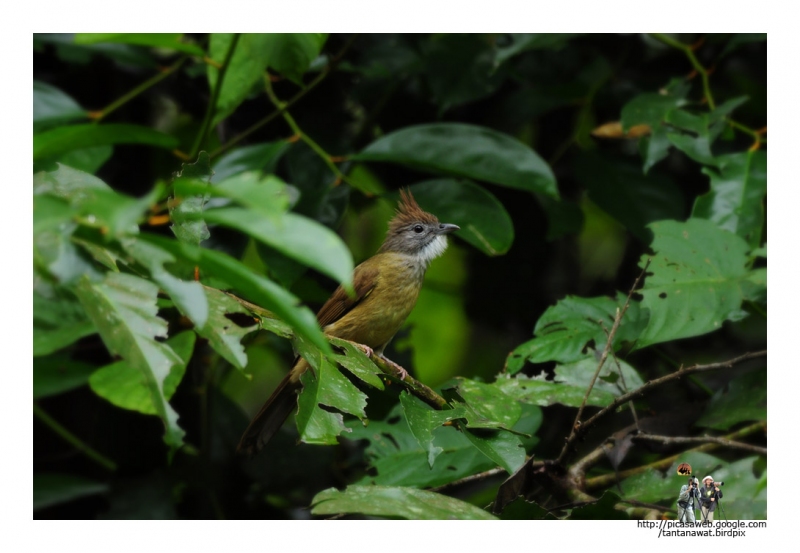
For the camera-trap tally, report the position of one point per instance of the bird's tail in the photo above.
(274, 412)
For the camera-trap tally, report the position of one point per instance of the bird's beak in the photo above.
(447, 228)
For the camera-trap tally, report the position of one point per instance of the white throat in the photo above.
(433, 250)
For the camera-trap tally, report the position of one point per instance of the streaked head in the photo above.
(415, 232)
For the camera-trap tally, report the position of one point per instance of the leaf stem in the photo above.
(68, 436)
(687, 50)
(98, 116)
(325, 156)
(212, 103)
(308, 88)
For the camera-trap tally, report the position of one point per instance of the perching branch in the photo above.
(670, 440)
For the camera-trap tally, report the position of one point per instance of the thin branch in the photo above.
(609, 345)
(467, 479)
(286, 105)
(664, 463)
(125, 98)
(76, 442)
(670, 440)
(651, 384)
(211, 110)
(689, 53)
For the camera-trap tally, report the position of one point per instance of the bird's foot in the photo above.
(401, 372)
(366, 349)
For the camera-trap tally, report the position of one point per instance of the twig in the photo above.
(286, 105)
(670, 440)
(467, 479)
(76, 442)
(664, 463)
(609, 345)
(98, 116)
(647, 386)
(211, 110)
(689, 52)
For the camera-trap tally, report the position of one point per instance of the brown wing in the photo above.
(364, 279)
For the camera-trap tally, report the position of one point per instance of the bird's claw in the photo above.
(401, 372)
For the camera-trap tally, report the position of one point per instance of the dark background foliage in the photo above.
(554, 93)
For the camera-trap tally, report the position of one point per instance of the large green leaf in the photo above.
(58, 319)
(54, 489)
(696, 283)
(170, 41)
(187, 295)
(123, 307)
(407, 503)
(254, 287)
(255, 157)
(287, 53)
(223, 331)
(61, 140)
(648, 109)
(736, 199)
(53, 106)
(190, 193)
(744, 399)
(399, 460)
(573, 328)
(622, 191)
(422, 420)
(504, 448)
(123, 384)
(293, 235)
(511, 44)
(489, 406)
(329, 388)
(483, 220)
(467, 151)
(541, 392)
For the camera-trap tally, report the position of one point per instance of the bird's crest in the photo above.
(408, 212)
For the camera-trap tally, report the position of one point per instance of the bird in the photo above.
(386, 286)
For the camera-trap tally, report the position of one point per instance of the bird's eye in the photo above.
(418, 229)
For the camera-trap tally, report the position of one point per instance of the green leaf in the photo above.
(696, 280)
(385, 501)
(224, 333)
(654, 148)
(511, 44)
(745, 399)
(622, 191)
(295, 236)
(58, 373)
(698, 148)
(54, 489)
(331, 389)
(58, 319)
(467, 151)
(648, 109)
(255, 157)
(357, 363)
(580, 374)
(422, 420)
(399, 460)
(52, 106)
(124, 386)
(170, 41)
(571, 330)
(87, 159)
(289, 54)
(504, 448)
(726, 108)
(736, 199)
(483, 220)
(123, 307)
(188, 296)
(61, 140)
(490, 403)
(256, 288)
(189, 196)
(541, 392)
